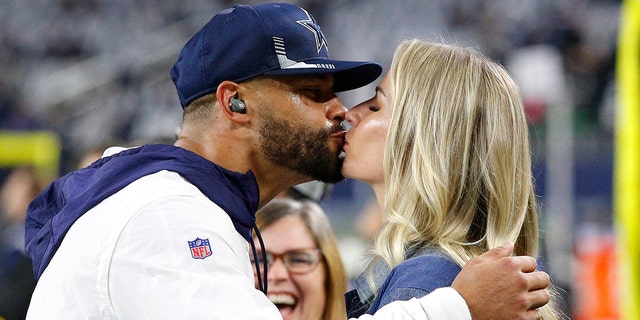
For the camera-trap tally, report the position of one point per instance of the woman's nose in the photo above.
(277, 270)
(353, 116)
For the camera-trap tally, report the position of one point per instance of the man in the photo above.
(161, 231)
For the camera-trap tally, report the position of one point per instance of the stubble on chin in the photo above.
(301, 149)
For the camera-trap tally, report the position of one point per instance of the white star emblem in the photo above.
(311, 25)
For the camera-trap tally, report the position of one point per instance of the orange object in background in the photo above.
(596, 277)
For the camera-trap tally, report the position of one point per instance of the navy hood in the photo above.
(51, 213)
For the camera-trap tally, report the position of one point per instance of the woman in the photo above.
(306, 276)
(454, 175)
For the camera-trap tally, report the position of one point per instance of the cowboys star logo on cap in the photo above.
(272, 39)
(311, 24)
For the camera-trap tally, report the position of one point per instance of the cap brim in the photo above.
(348, 75)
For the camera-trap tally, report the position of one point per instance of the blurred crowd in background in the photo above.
(96, 73)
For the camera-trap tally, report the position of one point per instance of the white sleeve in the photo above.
(441, 304)
(153, 274)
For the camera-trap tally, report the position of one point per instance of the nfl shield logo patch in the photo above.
(200, 248)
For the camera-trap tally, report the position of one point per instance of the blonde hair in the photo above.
(458, 146)
(318, 224)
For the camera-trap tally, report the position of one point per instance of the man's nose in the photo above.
(336, 110)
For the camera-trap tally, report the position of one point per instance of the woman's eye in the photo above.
(300, 259)
(374, 108)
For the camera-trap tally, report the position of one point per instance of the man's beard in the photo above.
(301, 149)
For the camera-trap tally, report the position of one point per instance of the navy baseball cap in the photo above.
(265, 39)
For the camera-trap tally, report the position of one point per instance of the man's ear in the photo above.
(230, 102)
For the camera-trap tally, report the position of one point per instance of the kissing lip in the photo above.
(340, 135)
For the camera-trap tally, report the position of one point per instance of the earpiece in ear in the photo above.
(238, 105)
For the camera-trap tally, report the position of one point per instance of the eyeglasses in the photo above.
(296, 261)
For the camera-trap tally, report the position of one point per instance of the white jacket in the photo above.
(129, 258)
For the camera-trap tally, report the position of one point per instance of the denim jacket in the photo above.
(422, 272)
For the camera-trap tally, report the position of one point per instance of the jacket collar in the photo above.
(51, 213)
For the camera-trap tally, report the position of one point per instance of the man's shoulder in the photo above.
(159, 185)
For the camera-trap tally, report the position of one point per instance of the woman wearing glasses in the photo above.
(306, 275)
